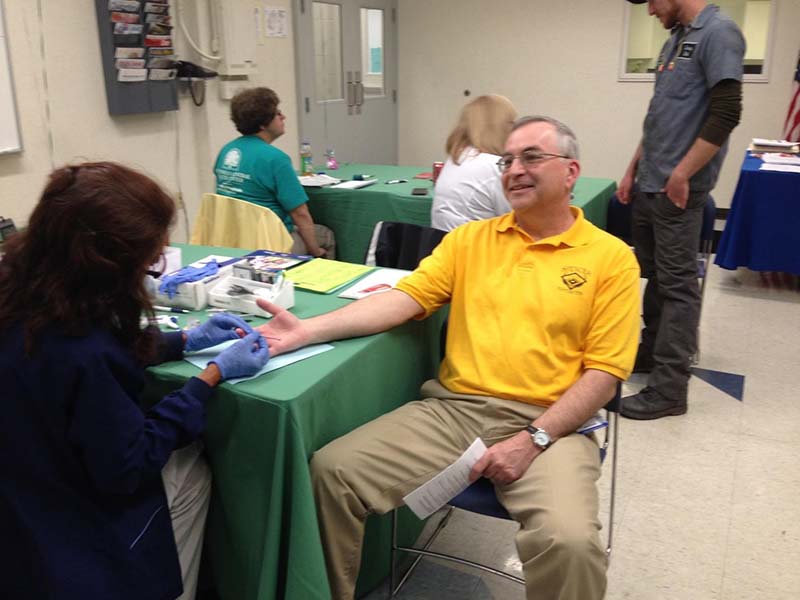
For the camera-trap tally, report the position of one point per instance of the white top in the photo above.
(470, 191)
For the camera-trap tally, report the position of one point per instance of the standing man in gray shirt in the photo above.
(696, 103)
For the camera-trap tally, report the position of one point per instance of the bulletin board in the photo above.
(10, 139)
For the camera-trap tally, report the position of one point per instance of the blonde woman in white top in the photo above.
(468, 187)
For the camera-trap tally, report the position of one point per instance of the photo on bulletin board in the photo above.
(10, 139)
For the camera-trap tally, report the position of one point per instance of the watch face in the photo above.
(541, 438)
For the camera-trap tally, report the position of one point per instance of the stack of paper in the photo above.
(323, 275)
(765, 145)
(781, 158)
(318, 180)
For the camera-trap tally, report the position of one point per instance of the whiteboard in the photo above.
(10, 140)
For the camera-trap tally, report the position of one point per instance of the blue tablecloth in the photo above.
(762, 231)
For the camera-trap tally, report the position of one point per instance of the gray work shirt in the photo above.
(693, 60)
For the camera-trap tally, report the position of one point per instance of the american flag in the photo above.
(791, 128)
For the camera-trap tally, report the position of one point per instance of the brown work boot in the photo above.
(649, 404)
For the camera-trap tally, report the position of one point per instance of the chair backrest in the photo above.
(401, 245)
(225, 221)
(618, 220)
(709, 216)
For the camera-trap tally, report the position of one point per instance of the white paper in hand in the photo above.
(431, 496)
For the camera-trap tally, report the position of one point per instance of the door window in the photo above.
(644, 36)
(372, 51)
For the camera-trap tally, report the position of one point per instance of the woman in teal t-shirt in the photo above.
(250, 168)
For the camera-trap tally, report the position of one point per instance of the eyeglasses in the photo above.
(528, 158)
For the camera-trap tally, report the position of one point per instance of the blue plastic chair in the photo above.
(480, 498)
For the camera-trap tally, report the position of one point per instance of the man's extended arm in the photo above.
(373, 314)
(506, 461)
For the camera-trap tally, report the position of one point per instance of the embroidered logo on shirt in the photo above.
(232, 159)
(687, 50)
(574, 277)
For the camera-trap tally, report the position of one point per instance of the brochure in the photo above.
(380, 280)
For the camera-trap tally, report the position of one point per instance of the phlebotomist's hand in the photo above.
(677, 189)
(244, 358)
(507, 461)
(219, 328)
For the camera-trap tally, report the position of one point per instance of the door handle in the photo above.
(359, 92)
(351, 93)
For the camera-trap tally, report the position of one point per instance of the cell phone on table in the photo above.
(419, 192)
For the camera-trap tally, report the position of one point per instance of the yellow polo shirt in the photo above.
(528, 318)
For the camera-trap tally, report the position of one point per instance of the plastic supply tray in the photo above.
(225, 295)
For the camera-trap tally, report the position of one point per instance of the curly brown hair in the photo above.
(253, 109)
(81, 261)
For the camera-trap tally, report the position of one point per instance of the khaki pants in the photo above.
(370, 469)
(187, 482)
(325, 239)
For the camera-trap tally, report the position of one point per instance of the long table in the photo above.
(352, 214)
(761, 228)
(262, 535)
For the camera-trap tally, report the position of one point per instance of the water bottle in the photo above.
(306, 162)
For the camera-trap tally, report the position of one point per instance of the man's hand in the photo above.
(506, 461)
(284, 332)
(625, 187)
(677, 189)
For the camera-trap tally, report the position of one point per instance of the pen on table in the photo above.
(361, 176)
(182, 311)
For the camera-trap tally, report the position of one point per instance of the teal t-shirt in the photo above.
(248, 168)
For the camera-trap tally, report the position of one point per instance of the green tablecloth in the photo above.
(262, 535)
(352, 214)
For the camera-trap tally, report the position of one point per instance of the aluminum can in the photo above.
(437, 168)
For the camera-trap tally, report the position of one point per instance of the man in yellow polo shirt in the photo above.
(544, 322)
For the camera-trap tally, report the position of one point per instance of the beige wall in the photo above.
(556, 58)
(79, 121)
(559, 59)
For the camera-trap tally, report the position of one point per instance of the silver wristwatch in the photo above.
(539, 436)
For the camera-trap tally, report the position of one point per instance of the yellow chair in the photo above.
(233, 223)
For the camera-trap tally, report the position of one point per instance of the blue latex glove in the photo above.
(169, 283)
(219, 328)
(244, 358)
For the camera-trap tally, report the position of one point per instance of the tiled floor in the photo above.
(708, 503)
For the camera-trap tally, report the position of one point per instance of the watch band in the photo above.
(539, 436)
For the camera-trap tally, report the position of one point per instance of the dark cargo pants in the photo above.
(666, 239)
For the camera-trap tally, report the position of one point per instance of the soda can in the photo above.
(437, 168)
